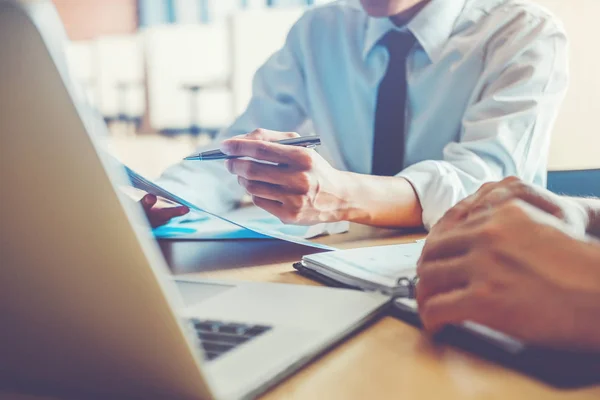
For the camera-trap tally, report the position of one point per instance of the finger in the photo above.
(264, 190)
(479, 196)
(449, 220)
(160, 216)
(448, 308)
(487, 187)
(461, 210)
(148, 201)
(452, 244)
(296, 156)
(268, 135)
(271, 206)
(254, 171)
(537, 198)
(519, 190)
(442, 276)
(452, 217)
(478, 218)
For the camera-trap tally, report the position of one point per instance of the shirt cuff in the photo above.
(437, 188)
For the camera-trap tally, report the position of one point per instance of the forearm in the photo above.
(380, 201)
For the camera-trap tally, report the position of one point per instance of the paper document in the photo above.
(382, 266)
(148, 186)
(212, 228)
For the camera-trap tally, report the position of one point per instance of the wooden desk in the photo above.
(387, 360)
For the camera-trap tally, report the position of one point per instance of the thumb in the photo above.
(148, 201)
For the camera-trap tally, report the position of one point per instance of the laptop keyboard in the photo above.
(218, 337)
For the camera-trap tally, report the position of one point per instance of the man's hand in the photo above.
(158, 215)
(298, 187)
(515, 269)
(497, 193)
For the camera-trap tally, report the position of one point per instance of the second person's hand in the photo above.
(494, 194)
(516, 269)
(298, 186)
(158, 215)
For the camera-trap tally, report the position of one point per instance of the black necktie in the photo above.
(390, 115)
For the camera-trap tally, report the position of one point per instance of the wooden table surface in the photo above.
(387, 360)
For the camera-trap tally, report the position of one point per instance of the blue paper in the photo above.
(211, 228)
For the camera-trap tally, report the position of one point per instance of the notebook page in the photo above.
(383, 265)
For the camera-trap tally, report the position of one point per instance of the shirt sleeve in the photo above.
(278, 103)
(507, 130)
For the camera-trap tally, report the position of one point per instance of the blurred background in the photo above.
(166, 75)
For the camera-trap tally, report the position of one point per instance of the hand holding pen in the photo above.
(298, 186)
(309, 142)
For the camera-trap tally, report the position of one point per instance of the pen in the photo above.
(308, 142)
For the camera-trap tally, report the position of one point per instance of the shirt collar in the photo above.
(432, 27)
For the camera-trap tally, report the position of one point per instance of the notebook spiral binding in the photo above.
(409, 283)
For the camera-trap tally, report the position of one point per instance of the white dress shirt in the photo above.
(485, 81)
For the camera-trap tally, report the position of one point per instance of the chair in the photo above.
(82, 64)
(577, 183)
(188, 70)
(121, 93)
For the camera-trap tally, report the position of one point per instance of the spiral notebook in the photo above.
(387, 269)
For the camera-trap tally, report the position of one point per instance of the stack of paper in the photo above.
(227, 227)
(387, 269)
(213, 228)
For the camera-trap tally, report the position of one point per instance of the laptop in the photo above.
(89, 308)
